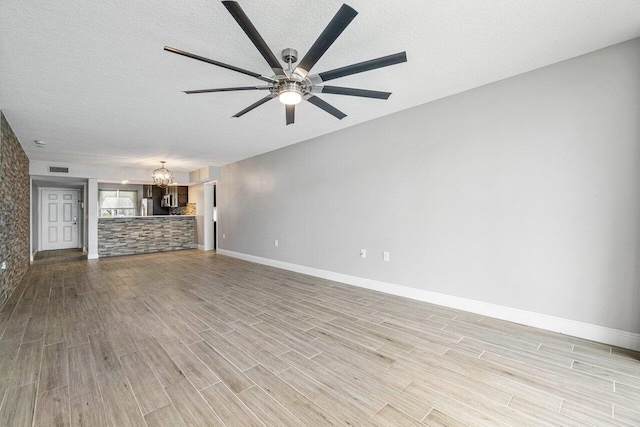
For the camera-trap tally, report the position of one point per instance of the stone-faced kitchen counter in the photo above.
(144, 234)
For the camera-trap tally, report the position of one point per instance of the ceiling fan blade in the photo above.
(291, 112)
(336, 90)
(325, 106)
(337, 25)
(255, 105)
(226, 89)
(245, 23)
(360, 67)
(219, 64)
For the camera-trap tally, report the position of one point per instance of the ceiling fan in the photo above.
(289, 85)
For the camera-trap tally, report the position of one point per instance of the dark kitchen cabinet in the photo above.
(158, 209)
(183, 196)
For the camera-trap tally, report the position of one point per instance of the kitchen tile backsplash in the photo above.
(190, 209)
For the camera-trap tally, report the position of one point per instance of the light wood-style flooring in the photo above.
(192, 338)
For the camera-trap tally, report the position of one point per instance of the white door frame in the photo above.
(208, 216)
(40, 213)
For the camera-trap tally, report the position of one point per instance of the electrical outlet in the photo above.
(224, 236)
(275, 242)
(3, 267)
(385, 256)
(363, 253)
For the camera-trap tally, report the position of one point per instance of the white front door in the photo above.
(59, 224)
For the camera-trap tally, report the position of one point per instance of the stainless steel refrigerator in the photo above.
(146, 207)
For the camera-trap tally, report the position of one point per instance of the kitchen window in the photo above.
(117, 203)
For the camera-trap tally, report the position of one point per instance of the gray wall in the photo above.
(14, 208)
(523, 193)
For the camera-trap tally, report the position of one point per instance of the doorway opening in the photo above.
(211, 216)
(215, 218)
(58, 214)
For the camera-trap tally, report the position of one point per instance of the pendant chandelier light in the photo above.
(162, 177)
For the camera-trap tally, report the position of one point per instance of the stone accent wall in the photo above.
(138, 235)
(14, 208)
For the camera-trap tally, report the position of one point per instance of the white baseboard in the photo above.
(574, 328)
(33, 255)
(201, 247)
(92, 256)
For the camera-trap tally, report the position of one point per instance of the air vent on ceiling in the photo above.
(58, 169)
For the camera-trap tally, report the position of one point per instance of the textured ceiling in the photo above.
(92, 80)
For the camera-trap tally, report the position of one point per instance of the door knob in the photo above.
(75, 220)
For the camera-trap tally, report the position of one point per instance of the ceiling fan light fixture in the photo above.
(290, 93)
(290, 98)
